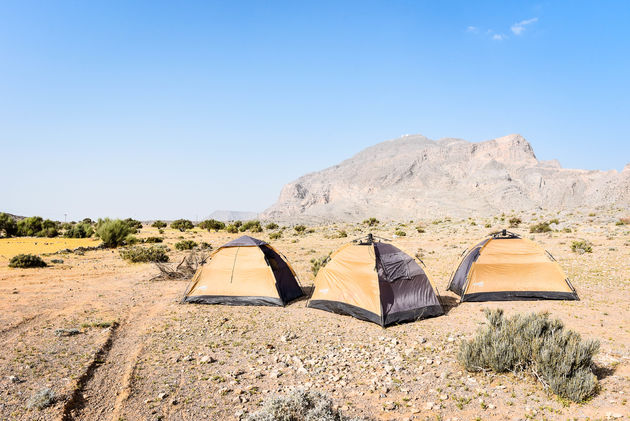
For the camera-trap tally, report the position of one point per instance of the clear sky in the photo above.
(175, 109)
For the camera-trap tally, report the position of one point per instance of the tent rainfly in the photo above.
(245, 271)
(377, 282)
(506, 267)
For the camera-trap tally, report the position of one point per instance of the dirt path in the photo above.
(107, 384)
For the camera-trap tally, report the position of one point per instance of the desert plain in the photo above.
(139, 354)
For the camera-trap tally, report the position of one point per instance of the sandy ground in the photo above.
(142, 355)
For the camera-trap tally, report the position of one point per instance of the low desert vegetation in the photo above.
(299, 405)
(42, 399)
(232, 229)
(159, 224)
(534, 343)
(27, 261)
(582, 246)
(140, 254)
(153, 240)
(371, 222)
(36, 226)
(515, 222)
(400, 233)
(134, 225)
(420, 229)
(212, 225)
(300, 229)
(271, 226)
(80, 230)
(318, 263)
(182, 225)
(275, 235)
(185, 245)
(541, 227)
(113, 232)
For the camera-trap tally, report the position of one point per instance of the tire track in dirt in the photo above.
(107, 384)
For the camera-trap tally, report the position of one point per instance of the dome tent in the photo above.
(377, 282)
(244, 271)
(506, 267)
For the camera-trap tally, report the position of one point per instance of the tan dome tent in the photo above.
(505, 267)
(245, 271)
(377, 282)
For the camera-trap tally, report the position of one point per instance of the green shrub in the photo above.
(371, 222)
(80, 230)
(153, 240)
(205, 246)
(400, 233)
(299, 228)
(35, 226)
(237, 224)
(130, 240)
(211, 224)
(271, 226)
(253, 226)
(134, 225)
(299, 405)
(420, 229)
(159, 224)
(533, 342)
(112, 232)
(27, 261)
(182, 225)
(140, 254)
(342, 234)
(554, 221)
(185, 245)
(232, 229)
(515, 222)
(8, 226)
(275, 235)
(540, 227)
(582, 246)
(318, 263)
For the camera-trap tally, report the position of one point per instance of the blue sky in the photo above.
(175, 109)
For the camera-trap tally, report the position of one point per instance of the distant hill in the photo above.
(227, 215)
(414, 177)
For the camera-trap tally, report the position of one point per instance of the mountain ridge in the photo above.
(414, 176)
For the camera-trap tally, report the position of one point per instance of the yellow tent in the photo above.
(507, 267)
(245, 271)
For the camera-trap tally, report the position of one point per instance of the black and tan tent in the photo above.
(506, 267)
(245, 271)
(377, 282)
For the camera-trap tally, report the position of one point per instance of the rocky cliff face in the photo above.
(415, 177)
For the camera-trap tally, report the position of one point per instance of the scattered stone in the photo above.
(15, 379)
(207, 359)
(162, 395)
(429, 406)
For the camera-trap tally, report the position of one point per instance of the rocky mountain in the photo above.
(227, 215)
(415, 177)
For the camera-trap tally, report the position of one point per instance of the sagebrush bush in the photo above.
(540, 227)
(42, 399)
(400, 233)
(211, 224)
(182, 225)
(342, 234)
(8, 226)
(185, 245)
(299, 405)
(134, 225)
(420, 229)
(371, 222)
(140, 254)
(271, 226)
(159, 224)
(27, 261)
(275, 235)
(299, 228)
(205, 245)
(112, 232)
(318, 263)
(538, 344)
(582, 246)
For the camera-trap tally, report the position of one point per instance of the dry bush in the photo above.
(540, 227)
(557, 357)
(515, 222)
(186, 245)
(299, 405)
(184, 270)
(42, 399)
(318, 263)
